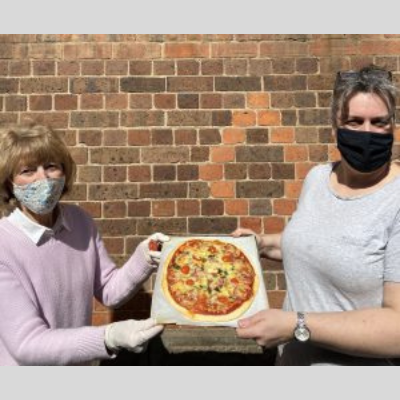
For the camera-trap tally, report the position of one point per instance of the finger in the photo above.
(155, 258)
(138, 349)
(144, 324)
(247, 333)
(160, 237)
(149, 333)
(254, 319)
(242, 231)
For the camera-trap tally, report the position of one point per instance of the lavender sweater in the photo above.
(46, 292)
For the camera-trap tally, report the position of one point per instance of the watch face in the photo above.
(302, 334)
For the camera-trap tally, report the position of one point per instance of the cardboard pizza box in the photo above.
(165, 312)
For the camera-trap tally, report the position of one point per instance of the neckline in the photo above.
(360, 196)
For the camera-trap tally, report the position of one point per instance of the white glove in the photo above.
(151, 250)
(131, 335)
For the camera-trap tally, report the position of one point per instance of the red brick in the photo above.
(296, 153)
(165, 101)
(113, 246)
(211, 100)
(114, 174)
(116, 101)
(211, 172)
(253, 223)
(237, 207)
(139, 208)
(333, 47)
(15, 103)
(188, 208)
(244, 118)
(90, 137)
(68, 68)
(269, 118)
(40, 103)
(45, 51)
(117, 67)
(293, 189)
(274, 224)
(234, 136)
(57, 120)
(115, 137)
(186, 50)
(91, 101)
(163, 208)
(185, 136)
(94, 67)
(234, 50)
(140, 101)
(258, 100)
(283, 49)
(276, 298)
(303, 168)
(223, 189)
(137, 51)
(282, 135)
(333, 153)
(223, 154)
(139, 173)
(65, 102)
(114, 209)
(44, 68)
(139, 137)
(87, 51)
(284, 206)
(188, 67)
(88, 174)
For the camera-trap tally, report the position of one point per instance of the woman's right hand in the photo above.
(243, 232)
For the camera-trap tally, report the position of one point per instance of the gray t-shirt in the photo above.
(337, 254)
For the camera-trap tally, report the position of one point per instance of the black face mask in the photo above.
(365, 151)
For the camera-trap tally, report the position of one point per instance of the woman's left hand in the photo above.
(152, 248)
(268, 328)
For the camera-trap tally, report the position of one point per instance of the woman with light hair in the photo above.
(53, 262)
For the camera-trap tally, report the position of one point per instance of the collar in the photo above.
(35, 231)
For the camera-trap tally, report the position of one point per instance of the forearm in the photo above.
(123, 283)
(367, 333)
(270, 246)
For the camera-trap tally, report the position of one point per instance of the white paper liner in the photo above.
(166, 313)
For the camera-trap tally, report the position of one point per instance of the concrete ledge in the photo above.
(184, 339)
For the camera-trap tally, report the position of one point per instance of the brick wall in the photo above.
(185, 133)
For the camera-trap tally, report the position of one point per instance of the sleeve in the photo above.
(392, 254)
(29, 340)
(114, 286)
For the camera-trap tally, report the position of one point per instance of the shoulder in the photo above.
(76, 216)
(318, 173)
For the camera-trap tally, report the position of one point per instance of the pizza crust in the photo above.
(235, 314)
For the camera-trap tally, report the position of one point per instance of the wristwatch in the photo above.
(301, 332)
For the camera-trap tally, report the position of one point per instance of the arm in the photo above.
(115, 286)
(366, 333)
(268, 245)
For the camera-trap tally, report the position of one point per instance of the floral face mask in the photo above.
(40, 197)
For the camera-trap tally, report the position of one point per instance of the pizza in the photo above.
(209, 280)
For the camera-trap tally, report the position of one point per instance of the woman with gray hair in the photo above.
(341, 249)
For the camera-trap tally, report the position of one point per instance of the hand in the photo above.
(152, 248)
(242, 232)
(268, 328)
(131, 335)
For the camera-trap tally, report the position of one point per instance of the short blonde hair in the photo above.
(31, 144)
